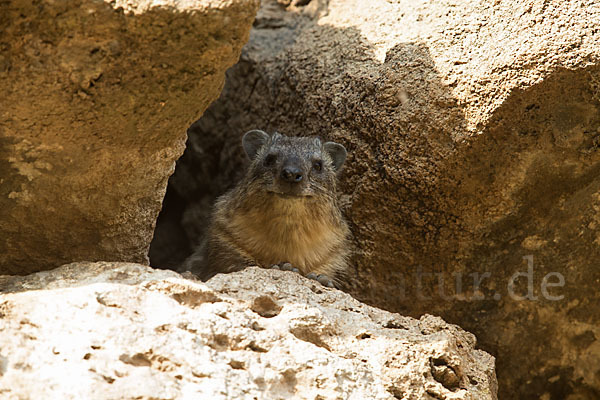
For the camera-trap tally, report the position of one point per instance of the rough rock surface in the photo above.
(96, 99)
(117, 330)
(473, 129)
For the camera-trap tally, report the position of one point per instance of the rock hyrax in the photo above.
(283, 214)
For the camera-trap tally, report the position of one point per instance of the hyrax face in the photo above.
(293, 167)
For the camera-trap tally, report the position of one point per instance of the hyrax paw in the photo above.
(285, 266)
(322, 279)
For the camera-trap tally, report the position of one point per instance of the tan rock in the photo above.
(109, 330)
(96, 100)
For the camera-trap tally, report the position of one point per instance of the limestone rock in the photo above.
(117, 330)
(473, 130)
(96, 100)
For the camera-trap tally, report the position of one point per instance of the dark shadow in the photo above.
(175, 245)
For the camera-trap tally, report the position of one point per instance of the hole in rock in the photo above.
(211, 164)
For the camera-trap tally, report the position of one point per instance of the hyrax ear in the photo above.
(253, 141)
(337, 152)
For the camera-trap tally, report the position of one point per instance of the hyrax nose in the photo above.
(291, 174)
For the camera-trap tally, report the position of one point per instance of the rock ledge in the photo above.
(108, 330)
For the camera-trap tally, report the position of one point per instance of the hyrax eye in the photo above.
(318, 165)
(270, 160)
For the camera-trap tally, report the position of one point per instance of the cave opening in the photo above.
(208, 167)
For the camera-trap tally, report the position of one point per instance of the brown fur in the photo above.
(255, 226)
